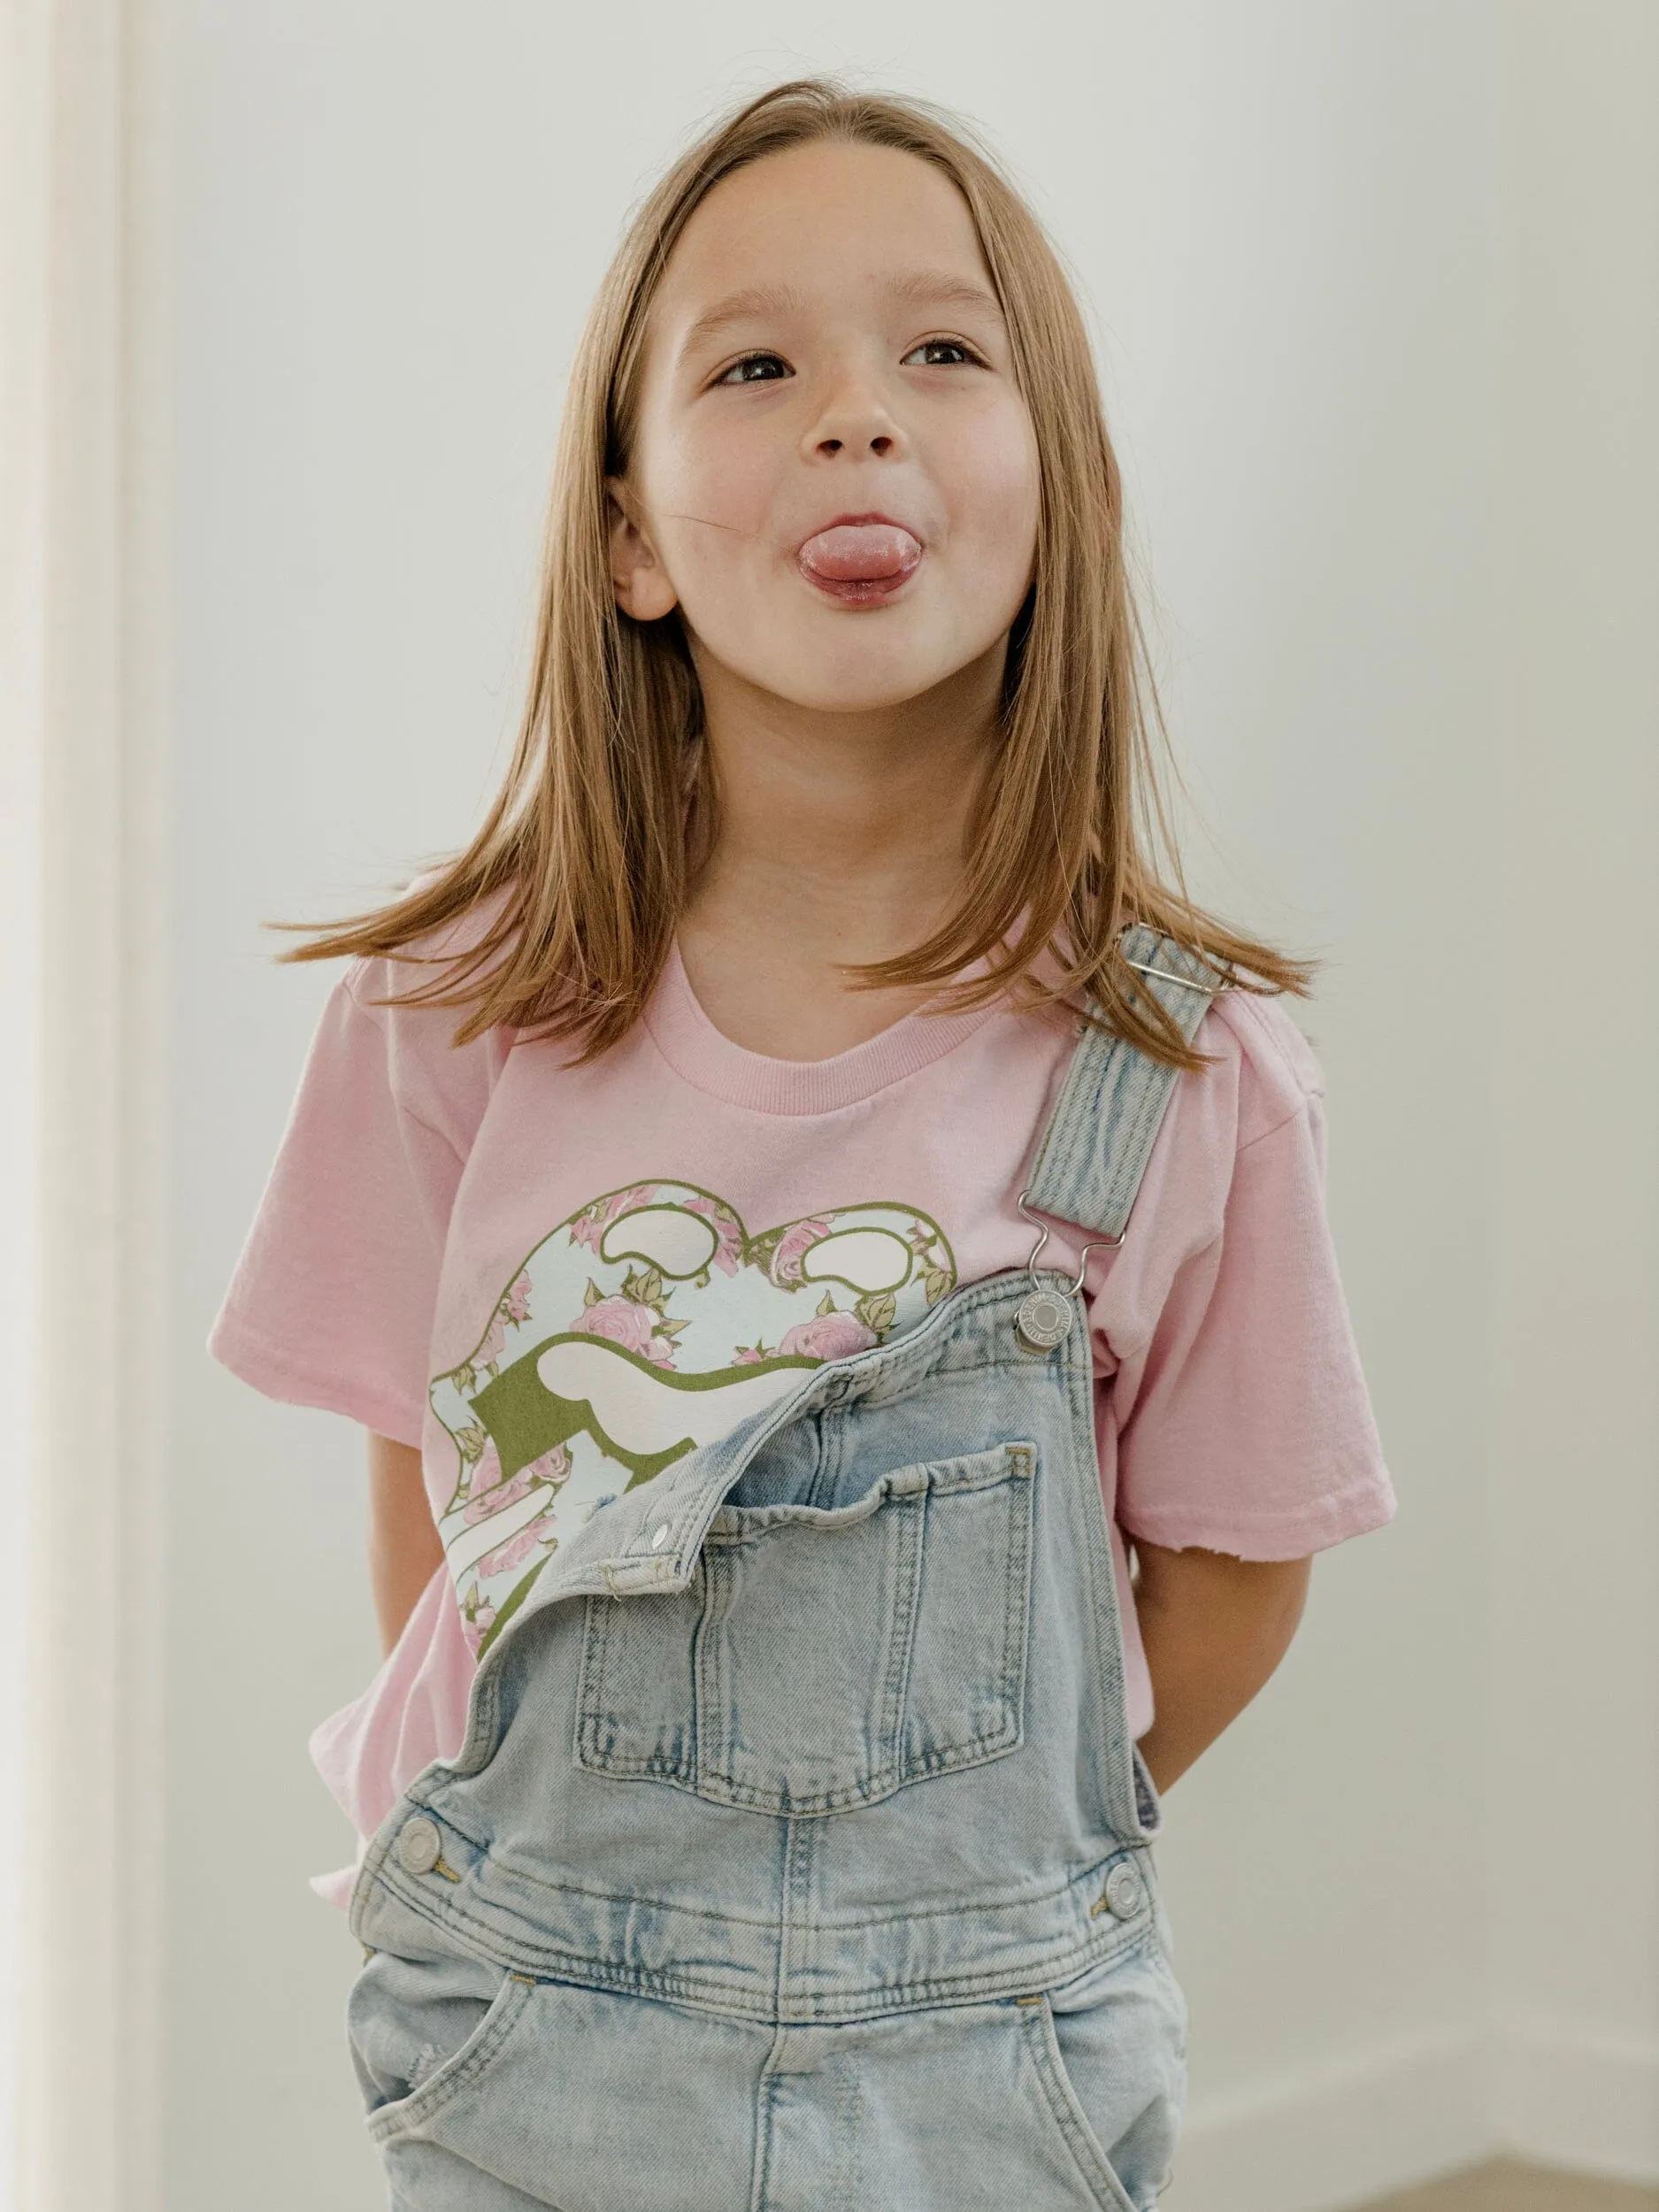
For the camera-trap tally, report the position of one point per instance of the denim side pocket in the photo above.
(422, 2030)
(1113, 2043)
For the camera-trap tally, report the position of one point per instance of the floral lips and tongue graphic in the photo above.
(648, 1323)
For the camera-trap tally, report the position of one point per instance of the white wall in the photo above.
(1574, 1503)
(1378, 333)
(1305, 324)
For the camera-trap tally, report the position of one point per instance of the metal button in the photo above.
(1042, 1320)
(420, 1845)
(659, 1537)
(1124, 1891)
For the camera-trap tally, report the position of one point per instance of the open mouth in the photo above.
(861, 559)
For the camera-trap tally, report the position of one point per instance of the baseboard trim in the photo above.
(1338, 2133)
(1586, 2102)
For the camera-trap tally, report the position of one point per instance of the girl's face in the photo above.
(834, 475)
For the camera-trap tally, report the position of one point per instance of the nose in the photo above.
(854, 422)
(880, 441)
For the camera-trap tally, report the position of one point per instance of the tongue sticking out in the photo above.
(860, 553)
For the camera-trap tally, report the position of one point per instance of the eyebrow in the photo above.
(928, 288)
(920, 288)
(755, 304)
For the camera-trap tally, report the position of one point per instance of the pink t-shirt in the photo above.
(684, 1208)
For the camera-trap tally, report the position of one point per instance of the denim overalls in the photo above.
(798, 1857)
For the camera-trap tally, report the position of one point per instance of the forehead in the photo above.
(819, 222)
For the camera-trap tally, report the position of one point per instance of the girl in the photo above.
(862, 1200)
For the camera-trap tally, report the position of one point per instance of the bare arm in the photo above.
(1214, 1628)
(404, 1544)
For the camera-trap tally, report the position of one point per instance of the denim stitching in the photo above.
(423, 2104)
(705, 1770)
(1038, 2023)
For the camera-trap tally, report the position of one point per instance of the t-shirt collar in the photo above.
(707, 1058)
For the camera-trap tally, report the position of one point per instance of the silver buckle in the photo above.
(1043, 1317)
(1209, 990)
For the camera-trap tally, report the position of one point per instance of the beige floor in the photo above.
(1505, 2187)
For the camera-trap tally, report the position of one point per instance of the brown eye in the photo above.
(942, 353)
(756, 368)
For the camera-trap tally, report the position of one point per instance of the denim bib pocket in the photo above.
(823, 1657)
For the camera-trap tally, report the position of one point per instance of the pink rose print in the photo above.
(728, 1251)
(621, 1321)
(485, 1503)
(552, 1467)
(517, 1301)
(826, 1336)
(589, 1227)
(485, 1472)
(793, 1247)
(495, 1342)
(749, 1356)
(515, 1551)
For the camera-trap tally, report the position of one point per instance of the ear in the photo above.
(637, 574)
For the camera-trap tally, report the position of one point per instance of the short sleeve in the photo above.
(1248, 1427)
(332, 1301)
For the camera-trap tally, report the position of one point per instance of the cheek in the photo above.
(709, 498)
(996, 502)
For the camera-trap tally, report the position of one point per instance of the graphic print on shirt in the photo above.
(646, 1324)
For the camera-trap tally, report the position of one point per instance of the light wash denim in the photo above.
(798, 1858)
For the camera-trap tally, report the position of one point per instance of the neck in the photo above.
(845, 830)
(841, 840)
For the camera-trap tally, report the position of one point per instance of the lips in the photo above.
(860, 558)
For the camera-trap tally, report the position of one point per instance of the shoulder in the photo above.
(1260, 1079)
(371, 978)
(1234, 1164)
(1264, 1069)
(445, 1085)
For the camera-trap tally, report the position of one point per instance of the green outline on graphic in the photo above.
(524, 1418)
(862, 1205)
(571, 1419)
(691, 1274)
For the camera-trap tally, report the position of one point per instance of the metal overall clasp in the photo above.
(1043, 1317)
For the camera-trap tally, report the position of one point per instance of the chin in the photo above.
(867, 691)
(861, 671)
(864, 663)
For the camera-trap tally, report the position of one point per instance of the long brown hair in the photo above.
(578, 876)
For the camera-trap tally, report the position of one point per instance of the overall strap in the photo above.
(1095, 1148)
